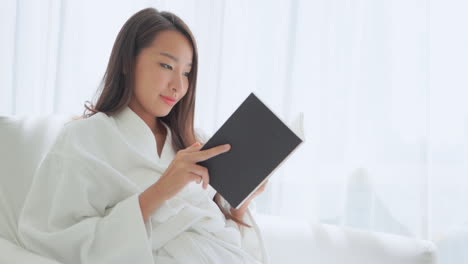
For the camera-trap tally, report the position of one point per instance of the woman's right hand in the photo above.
(184, 169)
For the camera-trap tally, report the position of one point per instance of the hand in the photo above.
(184, 169)
(239, 213)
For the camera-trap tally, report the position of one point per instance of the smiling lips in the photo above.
(169, 100)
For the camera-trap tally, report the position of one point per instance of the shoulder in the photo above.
(85, 131)
(96, 124)
(99, 120)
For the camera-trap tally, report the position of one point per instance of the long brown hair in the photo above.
(118, 82)
(117, 87)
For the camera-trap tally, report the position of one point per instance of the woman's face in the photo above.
(161, 71)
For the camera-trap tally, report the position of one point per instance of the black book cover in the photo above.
(259, 141)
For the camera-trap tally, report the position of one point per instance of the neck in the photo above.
(158, 127)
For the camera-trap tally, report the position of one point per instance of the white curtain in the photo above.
(382, 84)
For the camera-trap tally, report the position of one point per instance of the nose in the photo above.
(177, 84)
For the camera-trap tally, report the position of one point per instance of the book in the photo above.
(260, 142)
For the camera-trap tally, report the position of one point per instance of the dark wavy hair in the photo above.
(117, 86)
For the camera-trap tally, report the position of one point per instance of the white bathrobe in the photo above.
(83, 205)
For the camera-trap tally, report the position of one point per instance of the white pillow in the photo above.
(296, 240)
(24, 140)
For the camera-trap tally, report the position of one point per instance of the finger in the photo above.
(195, 147)
(202, 172)
(263, 187)
(206, 181)
(209, 153)
(196, 178)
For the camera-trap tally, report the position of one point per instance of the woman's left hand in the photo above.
(239, 213)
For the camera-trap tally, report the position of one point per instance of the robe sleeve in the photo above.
(73, 214)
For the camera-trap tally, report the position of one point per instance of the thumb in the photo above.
(195, 146)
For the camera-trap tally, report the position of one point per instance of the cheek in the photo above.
(156, 80)
(156, 75)
(186, 86)
(157, 70)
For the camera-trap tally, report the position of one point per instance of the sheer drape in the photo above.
(382, 84)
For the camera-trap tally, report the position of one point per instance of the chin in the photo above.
(159, 111)
(164, 113)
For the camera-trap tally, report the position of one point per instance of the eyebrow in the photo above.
(172, 57)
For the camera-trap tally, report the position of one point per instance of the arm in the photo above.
(150, 200)
(83, 214)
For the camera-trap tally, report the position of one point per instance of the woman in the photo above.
(122, 184)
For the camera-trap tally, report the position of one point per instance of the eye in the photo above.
(166, 66)
(186, 74)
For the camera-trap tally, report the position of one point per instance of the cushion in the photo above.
(294, 240)
(24, 141)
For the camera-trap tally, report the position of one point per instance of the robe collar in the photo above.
(139, 135)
